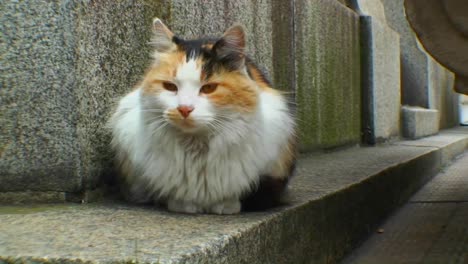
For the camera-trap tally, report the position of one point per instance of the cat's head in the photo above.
(200, 84)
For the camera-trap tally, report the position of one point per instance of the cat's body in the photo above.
(204, 130)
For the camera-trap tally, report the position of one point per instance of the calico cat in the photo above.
(204, 132)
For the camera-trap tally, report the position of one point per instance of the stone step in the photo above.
(430, 228)
(337, 199)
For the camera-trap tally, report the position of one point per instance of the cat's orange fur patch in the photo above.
(257, 76)
(234, 90)
(165, 69)
(282, 167)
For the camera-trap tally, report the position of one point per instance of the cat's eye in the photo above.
(170, 86)
(209, 88)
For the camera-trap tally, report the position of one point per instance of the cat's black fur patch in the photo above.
(268, 194)
(216, 58)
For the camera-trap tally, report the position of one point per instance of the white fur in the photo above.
(204, 171)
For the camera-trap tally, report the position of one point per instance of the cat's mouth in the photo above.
(184, 124)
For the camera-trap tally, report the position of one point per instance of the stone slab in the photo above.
(407, 237)
(336, 199)
(419, 122)
(449, 186)
(327, 63)
(445, 141)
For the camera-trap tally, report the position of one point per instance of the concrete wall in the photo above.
(327, 63)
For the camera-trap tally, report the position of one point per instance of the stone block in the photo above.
(380, 80)
(64, 63)
(442, 95)
(419, 122)
(327, 63)
(414, 61)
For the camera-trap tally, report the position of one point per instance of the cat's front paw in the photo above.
(226, 207)
(183, 207)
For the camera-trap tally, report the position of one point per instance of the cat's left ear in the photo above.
(162, 36)
(231, 47)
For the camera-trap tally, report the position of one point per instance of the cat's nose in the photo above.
(185, 110)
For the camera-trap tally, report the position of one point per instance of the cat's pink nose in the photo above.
(185, 110)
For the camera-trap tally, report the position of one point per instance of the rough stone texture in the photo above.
(442, 97)
(380, 51)
(430, 229)
(336, 199)
(414, 61)
(327, 62)
(112, 52)
(38, 147)
(63, 65)
(66, 64)
(385, 85)
(419, 122)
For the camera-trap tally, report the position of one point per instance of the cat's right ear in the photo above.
(162, 36)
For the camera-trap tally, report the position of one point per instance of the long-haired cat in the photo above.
(204, 132)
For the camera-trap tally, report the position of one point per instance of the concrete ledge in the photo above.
(337, 199)
(419, 122)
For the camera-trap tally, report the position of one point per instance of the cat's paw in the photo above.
(226, 207)
(183, 207)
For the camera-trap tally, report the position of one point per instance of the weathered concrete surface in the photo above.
(380, 73)
(419, 122)
(327, 62)
(442, 96)
(336, 200)
(442, 28)
(431, 228)
(65, 65)
(425, 82)
(414, 61)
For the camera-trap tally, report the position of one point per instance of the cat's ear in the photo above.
(162, 36)
(231, 47)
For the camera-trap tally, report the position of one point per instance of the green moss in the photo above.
(328, 76)
(31, 209)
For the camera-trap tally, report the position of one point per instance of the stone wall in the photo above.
(66, 63)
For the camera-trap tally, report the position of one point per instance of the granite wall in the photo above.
(66, 63)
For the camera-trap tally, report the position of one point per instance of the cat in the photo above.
(204, 132)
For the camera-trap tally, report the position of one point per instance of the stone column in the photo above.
(380, 73)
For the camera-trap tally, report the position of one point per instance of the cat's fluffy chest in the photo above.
(201, 169)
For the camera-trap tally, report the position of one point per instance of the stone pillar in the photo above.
(380, 73)
(418, 87)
